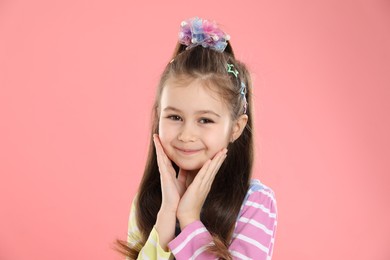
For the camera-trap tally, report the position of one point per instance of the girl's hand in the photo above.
(192, 201)
(172, 188)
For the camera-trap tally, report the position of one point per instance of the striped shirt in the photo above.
(253, 236)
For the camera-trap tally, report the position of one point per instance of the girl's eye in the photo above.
(174, 118)
(205, 121)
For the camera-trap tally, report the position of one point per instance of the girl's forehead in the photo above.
(213, 81)
(196, 86)
(195, 93)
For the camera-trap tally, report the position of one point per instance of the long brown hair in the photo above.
(223, 203)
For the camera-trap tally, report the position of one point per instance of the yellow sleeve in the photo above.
(152, 249)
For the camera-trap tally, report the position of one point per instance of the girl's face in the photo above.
(194, 124)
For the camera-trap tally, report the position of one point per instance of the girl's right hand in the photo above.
(192, 201)
(172, 188)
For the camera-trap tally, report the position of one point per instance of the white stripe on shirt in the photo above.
(239, 255)
(188, 239)
(199, 251)
(144, 256)
(256, 224)
(269, 194)
(252, 242)
(259, 206)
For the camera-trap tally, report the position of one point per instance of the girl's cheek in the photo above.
(162, 129)
(163, 132)
(163, 139)
(165, 135)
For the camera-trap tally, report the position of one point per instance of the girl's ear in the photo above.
(238, 127)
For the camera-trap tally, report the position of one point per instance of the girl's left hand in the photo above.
(192, 201)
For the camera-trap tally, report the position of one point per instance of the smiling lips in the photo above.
(188, 151)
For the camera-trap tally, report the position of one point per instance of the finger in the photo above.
(206, 171)
(214, 168)
(204, 178)
(219, 160)
(182, 177)
(198, 180)
(157, 144)
(163, 155)
(214, 162)
(157, 150)
(161, 162)
(206, 174)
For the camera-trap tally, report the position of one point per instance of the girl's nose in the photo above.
(187, 133)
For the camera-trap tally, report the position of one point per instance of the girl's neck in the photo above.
(190, 177)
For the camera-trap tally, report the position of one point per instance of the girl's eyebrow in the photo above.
(197, 112)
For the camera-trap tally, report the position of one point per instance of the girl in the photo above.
(196, 198)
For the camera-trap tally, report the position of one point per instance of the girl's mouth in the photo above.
(187, 151)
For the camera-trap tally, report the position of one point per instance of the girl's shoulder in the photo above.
(259, 199)
(259, 191)
(257, 185)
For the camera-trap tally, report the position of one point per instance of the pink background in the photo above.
(77, 79)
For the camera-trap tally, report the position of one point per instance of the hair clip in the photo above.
(243, 94)
(196, 31)
(243, 89)
(230, 69)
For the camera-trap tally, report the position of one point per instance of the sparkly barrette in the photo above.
(196, 31)
(230, 69)
(243, 94)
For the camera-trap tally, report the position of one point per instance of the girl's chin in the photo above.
(189, 167)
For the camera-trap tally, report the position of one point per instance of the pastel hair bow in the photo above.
(196, 31)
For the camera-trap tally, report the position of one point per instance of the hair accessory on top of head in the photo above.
(196, 31)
